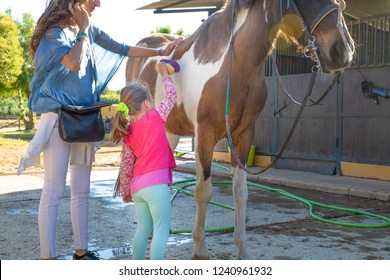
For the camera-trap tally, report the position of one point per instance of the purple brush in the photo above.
(172, 66)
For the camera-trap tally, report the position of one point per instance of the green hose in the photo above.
(182, 190)
(310, 204)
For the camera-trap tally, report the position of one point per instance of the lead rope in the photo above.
(230, 140)
(289, 95)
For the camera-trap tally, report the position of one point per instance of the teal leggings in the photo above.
(153, 210)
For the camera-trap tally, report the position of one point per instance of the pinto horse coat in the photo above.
(234, 44)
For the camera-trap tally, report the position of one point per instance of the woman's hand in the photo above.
(168, 49)
(80, 15)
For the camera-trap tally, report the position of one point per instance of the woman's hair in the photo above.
(133, 95)
(56, 14)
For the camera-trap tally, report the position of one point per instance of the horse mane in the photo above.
(213, 35)
(234, 6)
(238, 5)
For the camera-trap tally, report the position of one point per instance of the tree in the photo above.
(11, 55)
(167, 30)
(26, 28)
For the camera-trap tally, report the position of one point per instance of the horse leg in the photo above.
(240, 193)
(203, 190)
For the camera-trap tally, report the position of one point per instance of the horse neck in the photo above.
(256, 37)
(252, 27)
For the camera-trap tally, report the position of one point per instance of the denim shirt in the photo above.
(54, 85)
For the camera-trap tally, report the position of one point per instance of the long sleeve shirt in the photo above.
(141, 164)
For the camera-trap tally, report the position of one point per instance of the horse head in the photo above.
(323, 32)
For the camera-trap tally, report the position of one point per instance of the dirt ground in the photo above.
(107, 156)
(278, 228)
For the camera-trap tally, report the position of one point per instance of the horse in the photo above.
(232, 45)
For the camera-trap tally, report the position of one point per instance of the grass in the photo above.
(177, 154)
(26, 135)
(16, 137)
(10, 142)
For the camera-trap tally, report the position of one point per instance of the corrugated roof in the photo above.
(180, 4)
(355, 8)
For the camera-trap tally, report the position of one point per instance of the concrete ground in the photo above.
(278, 227)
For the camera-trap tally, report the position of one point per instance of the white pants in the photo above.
(56, 155)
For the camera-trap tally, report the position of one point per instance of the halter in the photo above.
(310, 23)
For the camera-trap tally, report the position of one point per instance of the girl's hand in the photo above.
(162, 69)
(127, 198)
(80, 15)
(167, 50)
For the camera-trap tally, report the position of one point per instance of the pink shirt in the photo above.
(156, 162)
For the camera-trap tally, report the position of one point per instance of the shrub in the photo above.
(110, 96)
(10, 107)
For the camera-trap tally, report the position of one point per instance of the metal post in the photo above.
(339, 124)
(274, 102)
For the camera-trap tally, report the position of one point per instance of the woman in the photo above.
(74, 61)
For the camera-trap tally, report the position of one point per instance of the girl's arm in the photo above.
(126, 172)
(169, 101)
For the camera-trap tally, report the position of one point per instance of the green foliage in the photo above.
(110, 96)
(180, 31)
(167, 30)
(10, 106)
(11, 55)
(162, 29)
(26, 28)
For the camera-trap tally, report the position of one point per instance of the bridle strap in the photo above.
(309, 27)
(321, 16)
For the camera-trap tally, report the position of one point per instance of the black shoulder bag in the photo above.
(82, 123)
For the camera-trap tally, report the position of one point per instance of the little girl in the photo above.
(147, 162)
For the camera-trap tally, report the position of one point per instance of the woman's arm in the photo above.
(146, 52)
(72, 60)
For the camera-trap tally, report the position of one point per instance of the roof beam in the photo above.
(170, 11)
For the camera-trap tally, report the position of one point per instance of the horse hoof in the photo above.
(197, 257)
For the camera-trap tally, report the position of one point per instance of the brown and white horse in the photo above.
(234, 43)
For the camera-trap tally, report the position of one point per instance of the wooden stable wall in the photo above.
(365, 124)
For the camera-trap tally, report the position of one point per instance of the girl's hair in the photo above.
(132, 95)
(56, 14)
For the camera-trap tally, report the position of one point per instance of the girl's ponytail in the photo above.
(119, 128)
(132, 97)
